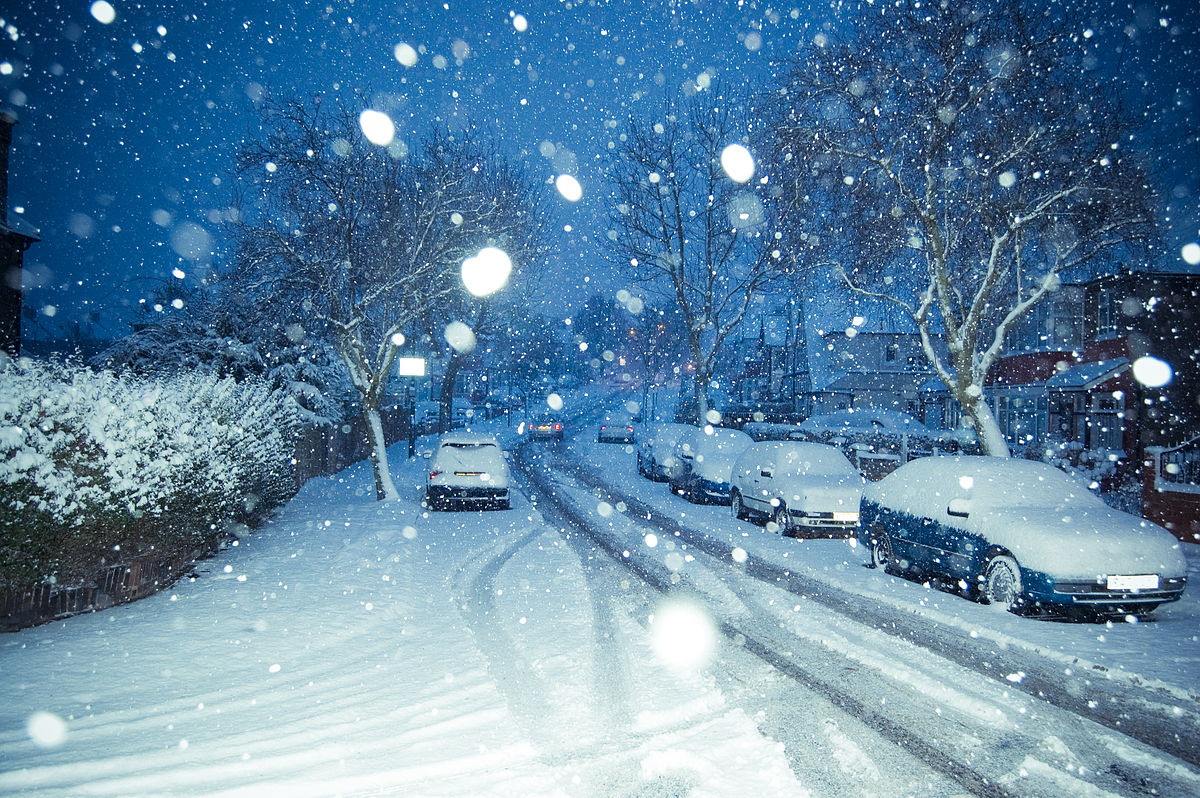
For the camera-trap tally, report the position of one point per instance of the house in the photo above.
(15, 238)
(1068, 378)
(882, 370)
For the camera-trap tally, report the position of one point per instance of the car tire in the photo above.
(641, 467)
(1001, 583)
(783, 520)
(503, 504)
(736, 507)
(881, 549)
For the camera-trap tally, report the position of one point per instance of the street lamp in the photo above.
(486, 273)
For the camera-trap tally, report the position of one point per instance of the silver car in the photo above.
(805, 488)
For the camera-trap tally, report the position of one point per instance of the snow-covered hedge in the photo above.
(97, 468)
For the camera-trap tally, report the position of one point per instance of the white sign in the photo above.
(410, 366)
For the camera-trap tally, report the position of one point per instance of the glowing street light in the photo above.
(487, 272)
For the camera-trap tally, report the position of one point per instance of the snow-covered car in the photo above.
(544, 428)
(615, 428)
(467, 470)
(803, 487)
(704, 462)
(864, 419)
(1019, 534)
(656, 449)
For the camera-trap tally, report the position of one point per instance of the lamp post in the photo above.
(411, 367)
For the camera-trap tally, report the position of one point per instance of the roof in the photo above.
(19, 227)
(1086, 376)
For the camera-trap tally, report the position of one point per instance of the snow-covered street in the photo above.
(361, 648)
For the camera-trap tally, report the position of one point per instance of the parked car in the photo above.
(802, 487)
(704, 462)
(771, 431)
(1019, 534)
(615, 429)
(656, 450)
(467, 470)
(865, 419)
(545, 427)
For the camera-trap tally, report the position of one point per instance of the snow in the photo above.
(360, 647)
(354, 646)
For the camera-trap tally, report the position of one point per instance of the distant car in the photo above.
(544, 428)
(467, 470)
(704, 462)
(802, 487)
(615, 429)
(1019, 534)
(656, 450)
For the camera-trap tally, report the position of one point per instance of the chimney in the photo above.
(7, 120)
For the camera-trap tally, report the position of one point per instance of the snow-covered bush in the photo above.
(96, 467)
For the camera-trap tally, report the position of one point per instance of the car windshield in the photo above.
(376, 378)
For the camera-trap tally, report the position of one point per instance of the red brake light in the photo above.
(433, 474)
(557, 426)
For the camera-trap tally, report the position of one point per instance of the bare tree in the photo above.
(508, 215)
(693, 237)
(355, 241)
(956, 160)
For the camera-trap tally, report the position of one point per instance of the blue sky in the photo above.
(128, 130)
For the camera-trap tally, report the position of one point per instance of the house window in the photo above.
(1108, 313)
(892, 353)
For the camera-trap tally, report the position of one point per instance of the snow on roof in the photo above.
(1087, 375)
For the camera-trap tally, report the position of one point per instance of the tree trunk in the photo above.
(987, 428)
(384, 487)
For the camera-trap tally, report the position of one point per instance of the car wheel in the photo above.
(783, 520)
(1002, 582)
(641, 466)
(881, 548)
(736, 506)
(503, 504)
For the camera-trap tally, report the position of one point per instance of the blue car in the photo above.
(1018, 534)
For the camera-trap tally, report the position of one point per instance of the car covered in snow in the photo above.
(864, 419)
(704, 462)
(656, 449)
(1019, 534)
(544, 427)
(467, 470)
(805, 488)
(615, 428)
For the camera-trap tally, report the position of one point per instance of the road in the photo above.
(915, 705)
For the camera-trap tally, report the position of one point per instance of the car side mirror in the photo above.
(960, 508)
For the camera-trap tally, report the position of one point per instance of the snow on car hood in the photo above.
(1083, 541)
(823, 493)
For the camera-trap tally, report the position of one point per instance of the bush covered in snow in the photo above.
(96, 468)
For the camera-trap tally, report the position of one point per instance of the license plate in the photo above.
(845, 516)
(1136, 582)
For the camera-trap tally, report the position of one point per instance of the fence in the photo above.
(1171, 488)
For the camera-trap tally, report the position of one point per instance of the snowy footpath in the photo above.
(358, 648)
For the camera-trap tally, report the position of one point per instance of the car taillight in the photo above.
(433, 474)
(557, 426)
